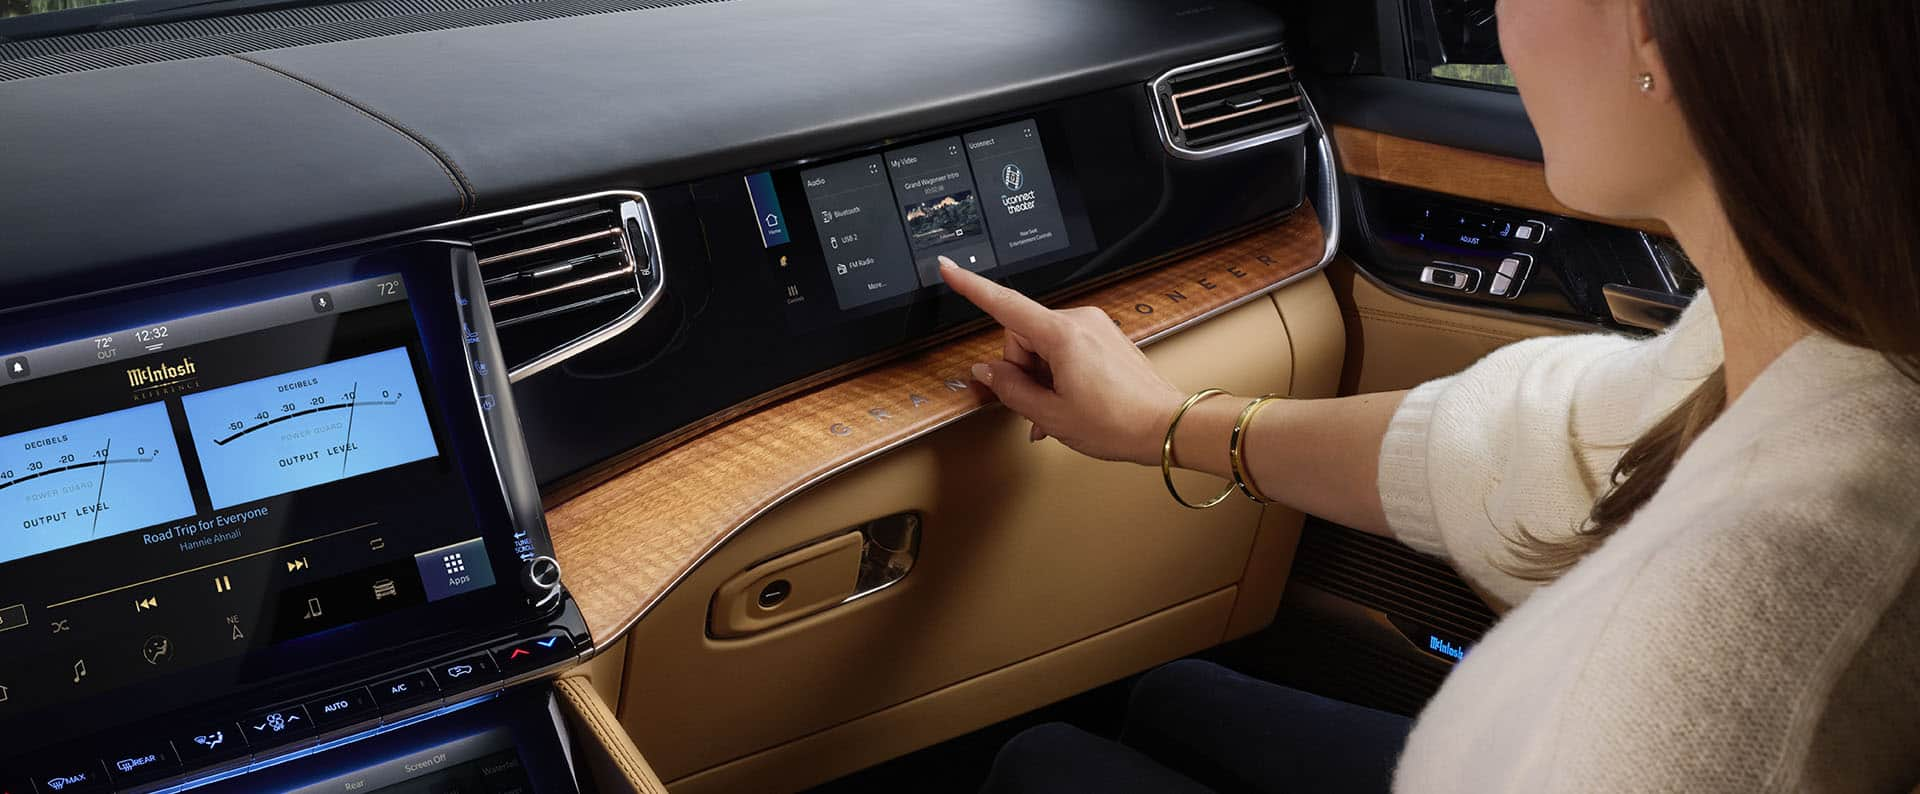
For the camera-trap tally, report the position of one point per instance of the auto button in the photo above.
(341, 708)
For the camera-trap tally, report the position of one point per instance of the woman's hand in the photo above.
(1073, 373)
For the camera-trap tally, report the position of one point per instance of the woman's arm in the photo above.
(1316, 456)
(1080, 380)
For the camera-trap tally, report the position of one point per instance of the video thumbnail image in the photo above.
(938, 220)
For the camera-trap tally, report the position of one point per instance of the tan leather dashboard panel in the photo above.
(1458, 172)
(624, 543)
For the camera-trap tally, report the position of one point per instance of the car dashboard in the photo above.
(415, 355)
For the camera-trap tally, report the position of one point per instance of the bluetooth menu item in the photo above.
(851, 204)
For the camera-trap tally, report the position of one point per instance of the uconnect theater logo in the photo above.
(160, 376)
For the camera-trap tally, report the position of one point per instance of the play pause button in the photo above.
(17, 368)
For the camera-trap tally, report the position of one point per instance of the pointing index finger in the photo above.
(1017, 312)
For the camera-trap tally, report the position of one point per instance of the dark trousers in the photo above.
(1194, 726)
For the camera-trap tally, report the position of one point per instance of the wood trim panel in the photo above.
(626, 542)
(1459, 172)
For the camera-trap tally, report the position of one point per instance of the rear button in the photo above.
(142, 762)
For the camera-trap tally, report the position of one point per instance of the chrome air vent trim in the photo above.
(576, 271)
(1166, 103)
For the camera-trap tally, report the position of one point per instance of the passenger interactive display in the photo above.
(309, 427)
(984, 199)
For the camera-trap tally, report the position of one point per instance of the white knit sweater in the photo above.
(1755, 627)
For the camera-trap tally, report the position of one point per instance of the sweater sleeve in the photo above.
(1528, 437)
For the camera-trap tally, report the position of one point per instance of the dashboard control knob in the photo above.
(540, 578)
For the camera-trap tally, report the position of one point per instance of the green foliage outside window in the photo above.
(1482, 73)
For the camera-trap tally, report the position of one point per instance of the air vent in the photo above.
(565, 279)
(1230, 103)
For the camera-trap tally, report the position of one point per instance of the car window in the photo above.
(1494, 74)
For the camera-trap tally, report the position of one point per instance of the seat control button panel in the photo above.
(1447, 275)
(1512, 276)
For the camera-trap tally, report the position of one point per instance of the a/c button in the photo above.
(407, 690)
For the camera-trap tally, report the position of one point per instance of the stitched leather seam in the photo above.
(635, 769)
(1368, 311)
(1441, 327)
(462, 187)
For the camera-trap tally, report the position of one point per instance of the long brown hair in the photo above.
(1807, 116)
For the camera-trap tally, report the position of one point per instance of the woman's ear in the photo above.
(1651, 76)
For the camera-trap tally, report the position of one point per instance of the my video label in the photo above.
(941, 207)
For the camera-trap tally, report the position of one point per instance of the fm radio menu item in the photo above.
(941, 207)
(853, 212)
(1022, 208)
(309, 427)
(89, 478)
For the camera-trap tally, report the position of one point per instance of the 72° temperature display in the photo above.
(90, 478)
(309, 427)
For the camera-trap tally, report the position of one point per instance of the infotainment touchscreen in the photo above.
(250, 488)
(879, 222)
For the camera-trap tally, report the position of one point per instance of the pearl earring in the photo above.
(1646, 82)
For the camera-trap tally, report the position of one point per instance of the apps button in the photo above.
(451, 570)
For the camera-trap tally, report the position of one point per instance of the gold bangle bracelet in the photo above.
(1166, 453)
(1237, 449)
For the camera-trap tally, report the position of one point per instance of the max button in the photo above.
(72, 777)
